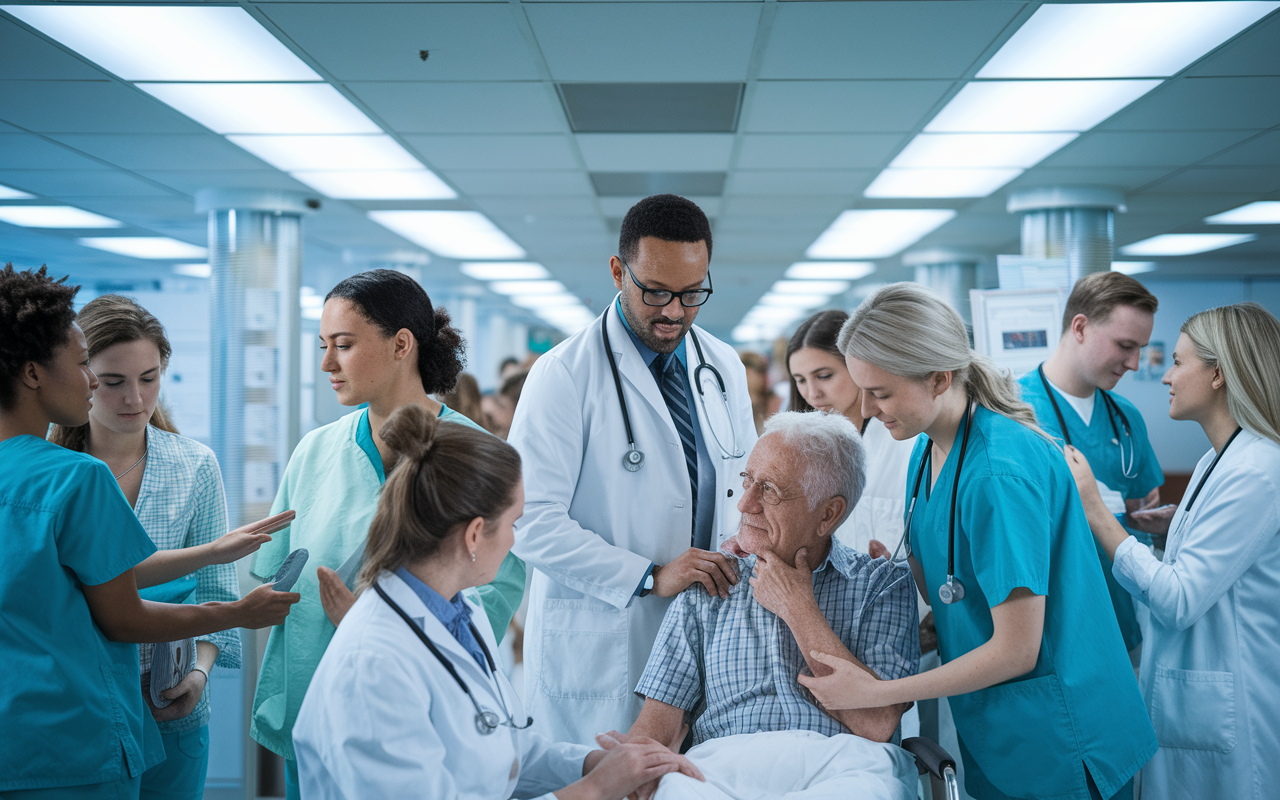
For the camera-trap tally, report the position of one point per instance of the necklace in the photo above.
(136, 463)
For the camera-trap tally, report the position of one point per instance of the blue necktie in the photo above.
(666, 369)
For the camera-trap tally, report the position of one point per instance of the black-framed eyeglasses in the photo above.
(662, 297)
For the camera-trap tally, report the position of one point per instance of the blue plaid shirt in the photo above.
(733, 664)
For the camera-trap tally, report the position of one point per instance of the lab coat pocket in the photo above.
(593, 635)
(1194, 709)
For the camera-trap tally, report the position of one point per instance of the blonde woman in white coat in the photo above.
(407, 701)
(1209, 658)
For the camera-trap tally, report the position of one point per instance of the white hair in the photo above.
(830, 449)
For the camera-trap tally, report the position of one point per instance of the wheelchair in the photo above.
(932, 760)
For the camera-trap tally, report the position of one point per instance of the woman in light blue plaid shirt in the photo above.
(175, 488)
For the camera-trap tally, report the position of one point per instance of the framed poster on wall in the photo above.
(1017, 328)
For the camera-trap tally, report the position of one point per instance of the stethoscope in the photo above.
(952, 590)
(1113, 410)
(633, 459)
(486, 721)
(1186, 512)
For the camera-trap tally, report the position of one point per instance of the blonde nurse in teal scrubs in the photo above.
(383, 345)
(1039, 683)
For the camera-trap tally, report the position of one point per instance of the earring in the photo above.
(473, 558)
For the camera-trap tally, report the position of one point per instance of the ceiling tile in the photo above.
(881, 39)
(24, 54)
(538, 151)
(1127, 178)
(1147, 148)
(162, 151)
(1222, 179)
(1265, 149)
(472, 107)
(71, 183)
(1257, 52)
(619, 206)
(824, 208)
(1190, 104)
(818, 151)
(520, 182)
(688, 184)
(519, 205)
(655, 152)
(87, 107)
(647, 42)
(794, 181)
(652, 107)
(380, 41)
(25, 151)
(191, 181)
(842, 106)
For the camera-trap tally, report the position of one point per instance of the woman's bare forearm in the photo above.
(163, 566)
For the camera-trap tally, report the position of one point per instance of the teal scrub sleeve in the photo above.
(99, 537)
(501, 598)
(1006, 520)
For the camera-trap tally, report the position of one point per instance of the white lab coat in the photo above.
(382, 718)
(591, 528)
(1209, 656)
(879, 513)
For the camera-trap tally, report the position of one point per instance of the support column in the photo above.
(950, 273)
(1076, 223)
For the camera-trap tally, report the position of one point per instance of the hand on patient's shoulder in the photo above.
(715, 571)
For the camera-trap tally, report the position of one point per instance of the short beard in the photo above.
(641, 330)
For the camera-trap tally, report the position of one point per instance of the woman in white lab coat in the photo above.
(407, 701)
(1209, 659)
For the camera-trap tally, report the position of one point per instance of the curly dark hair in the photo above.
(35, 320)
(668, 217)
(392, 300)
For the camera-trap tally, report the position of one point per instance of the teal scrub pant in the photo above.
(181, 775)
(116, 790)
(291, 782)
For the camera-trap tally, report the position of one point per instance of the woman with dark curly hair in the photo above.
(386, 346)
(71, 717)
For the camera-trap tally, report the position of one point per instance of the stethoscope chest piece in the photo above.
(486, 722)
(952, 591)
(633, 460)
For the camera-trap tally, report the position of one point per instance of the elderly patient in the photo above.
(731, 664)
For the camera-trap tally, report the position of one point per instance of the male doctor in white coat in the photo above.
(616, 521)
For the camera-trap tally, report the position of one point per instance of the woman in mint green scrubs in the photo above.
(72, 721)
(386, 346)
(1039, 682)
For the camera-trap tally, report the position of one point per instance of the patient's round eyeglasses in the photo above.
(769, 493)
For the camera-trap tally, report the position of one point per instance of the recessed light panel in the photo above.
(169, 43)
(536, 301)
(264, 108)
(527, 287)
(291, 153)
(54, 217)
(1133, 267)
(793, 300)
(877, 233)
(416, 184)
(980, 150)
(452, 234)
(7, 193)
(1119, 40)
(1185, 244)
(1035, 106)
(810, 287)
(1263, 212)
(505, 271)
(830, 270)
(939, 182)
(193, 270)
(159, 247)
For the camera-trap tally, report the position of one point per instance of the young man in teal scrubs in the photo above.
(1108, 320)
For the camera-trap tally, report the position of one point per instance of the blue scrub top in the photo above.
(1020, 524)
(1097, 441)
(71, 710)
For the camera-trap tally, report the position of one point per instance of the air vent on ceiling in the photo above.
(643, 184)
(652, 107)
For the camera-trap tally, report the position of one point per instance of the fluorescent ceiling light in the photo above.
(417, 184)
(527, 287)
(193, 270)
(264, 108)
(311, 301)
(312, 313)
(1185, 244)
(877, 233)
(536, 301)
(505, 271)
(746, 333)
(1119, 40)
(169, 43)
(1031, 106)
(830, 270)
(1133, 267)
(980, 150)
(565, 312)
(145, 246)
(939, 182)
(291, 153)
(776, 314)
(810, 287)
(7, 193)
(54, 217)
(1263, 212)
(793, 300)
(452, 234)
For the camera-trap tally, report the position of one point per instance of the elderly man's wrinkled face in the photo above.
(776, 514)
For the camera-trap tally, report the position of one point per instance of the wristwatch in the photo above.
(647, 588)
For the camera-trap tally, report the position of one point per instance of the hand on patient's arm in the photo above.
(1011, 651)
(168, 565)
(622, 768)
(714, 571)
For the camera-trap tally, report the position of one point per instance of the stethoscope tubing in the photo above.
(1113, 410)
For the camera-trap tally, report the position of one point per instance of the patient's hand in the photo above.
(731, 547)
(877, 549)
(781, 588)
(613, 741)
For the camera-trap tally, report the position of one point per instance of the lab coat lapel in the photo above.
(478, 680)
(633, 370)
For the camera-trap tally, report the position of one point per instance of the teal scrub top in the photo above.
(1098, 442)
(1019, 523)
(71, 710)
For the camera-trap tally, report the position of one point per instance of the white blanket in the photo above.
(794, 765)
